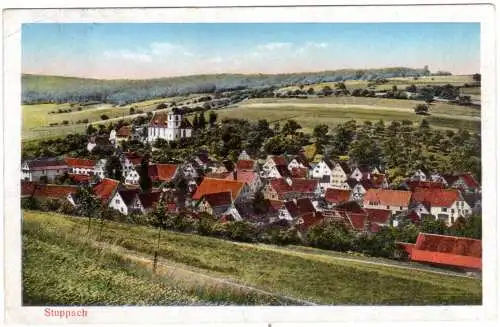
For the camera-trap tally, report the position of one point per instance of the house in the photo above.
(298, 172)
(100, 168)
(34, 170)
(245, 165)
(412, 185)
(129, 160)
(123, 134)
(394, 200)
(277, 189)
(157, 173)
(80, 166)
(240, 191)
(335, 197)
(466, 183)
(299, 161)
(308, 221)
(378, 180)
(291, 188)
(322, 168)
(146, 202)
(275, 167)
(80, 178)
(360, 173)
(91, 144)
(339, 175)
(124, 200)
(443, 250)
(293, 209)
(219, 205)
(48, 191)
(444, 204)
(418, 175)
(169, 126)
(378, 218)
(189, 171)
(358, 189)
(251, 178)
(474, 201)
(244, 156)
(105, 189)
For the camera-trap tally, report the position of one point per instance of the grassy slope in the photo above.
(333, 110)
(316, 278)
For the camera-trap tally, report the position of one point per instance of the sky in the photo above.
(147, 50)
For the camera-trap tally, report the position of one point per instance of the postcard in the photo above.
(250, 164)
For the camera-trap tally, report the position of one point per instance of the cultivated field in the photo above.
(62, 266)
(333, 110)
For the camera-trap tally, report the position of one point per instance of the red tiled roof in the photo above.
(80, 178)
(378, 215)
(105, 189)
(124, 131)
(412, 185)
(128, 195)
(299, 172)
(357, 220)
(275, 204)
(79, 163)
(243, 176)
(311, 220)
(213, 185)
(305, 205)
(388, 197)
(351, 206)
(448, 250)
(134, 158)
(377, 179)
(436, 197)
(337, 196)
(162, 172)
(218, 199)
(280, 186)
(245, 165)
(45, 164)
(226, 175)
(280, 161)
(304, 185)
(292, 208)
(160, 119)
(470, 181)
(450, 179)
(54, 191)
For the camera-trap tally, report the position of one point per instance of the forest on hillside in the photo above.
(57, 89)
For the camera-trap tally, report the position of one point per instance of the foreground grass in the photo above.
(315, 278)
(335, 110)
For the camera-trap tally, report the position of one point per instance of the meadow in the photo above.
(333, 110)
(62, 265)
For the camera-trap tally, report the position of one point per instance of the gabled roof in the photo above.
(351, 206)
(105, 189)
(213, 185)
(128, 196)
(292, 208)
(80, 178)
(280, 161)
(280, 186)
(159, 119)
(311, 220)
(450, 179)
(80, 163)
(283, 171)
(123, 131)
(218, 199)
(328, 162)
(46, 163)
(469, 180)
(345, 167)
(333, 195)
(472, 199)
(150, 199)
(301, 159)
(299, 172)
(357, 220)
(305, 205)
(162, 172)
(412, 185)
(243, 176)
(304, 185)
(436, 197)
(133, 157)
(377, 179)
(352, 182)
(378, 215)
(388, 197)
(53, 191)
(245, 165)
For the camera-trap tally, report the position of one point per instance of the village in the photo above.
(283, 191)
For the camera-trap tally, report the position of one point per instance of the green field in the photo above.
(61, 267)
(333, 110)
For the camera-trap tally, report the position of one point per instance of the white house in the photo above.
(444, 204)
(339, 176)
(299, 162)
(80, 166)
(418, 175)
(129, 161)
(100, 167)
(244, 156)
(275, 167)
(189, 171)
(33, 170)
(124, 201)
(323, 168)
(132, 177)
(170, 127)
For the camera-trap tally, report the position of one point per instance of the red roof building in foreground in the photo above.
(213, 185)
(47, 191)
(459, 252)
(106, 189)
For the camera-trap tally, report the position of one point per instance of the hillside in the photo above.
(61, 265)
(44, 89)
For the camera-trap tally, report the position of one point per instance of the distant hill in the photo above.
(59, 89)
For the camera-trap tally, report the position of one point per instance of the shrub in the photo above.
(104, 117)
(162, 106)
(65, 122)
(241, 231)
(30, 203)
(421, 109)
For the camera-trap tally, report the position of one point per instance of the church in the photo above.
(169, 126)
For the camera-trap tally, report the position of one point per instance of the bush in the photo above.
(65, 122)
(67, 208)
(162, 106)
(30, 203)
(241, 231)
(104, 117)
(421, 109)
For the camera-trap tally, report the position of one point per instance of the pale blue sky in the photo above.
(145, 50)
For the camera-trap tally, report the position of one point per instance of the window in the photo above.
(444, 209)
(452, 210)
(400, 208)
(117, 201)
(387, 207)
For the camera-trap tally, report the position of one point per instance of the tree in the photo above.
(412, 88)
(202, 122)
(144, 178)
(320, 132)
(113, 168)
(259, 203)
(327, 90)
(196, 122)
(87, 203)
(394, 88)
(159, 221)
(212, 118)
(421, 109)
(291, 127)
(424, 124)
(310, 91)
(162, 106)
(131, 110)
(340, 86)
(476, 77)
(104, 117)
(91, 129)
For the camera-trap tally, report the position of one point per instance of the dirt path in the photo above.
(182, 273)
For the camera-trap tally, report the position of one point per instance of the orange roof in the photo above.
(79, 163)
(162, 172)
(299, 172)
(79, 177)
(105, 189)
(436, 197)
(213, 185)
(469, 180)
(54, 191)
(388, 197)
(243, 176)
(337, 196)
